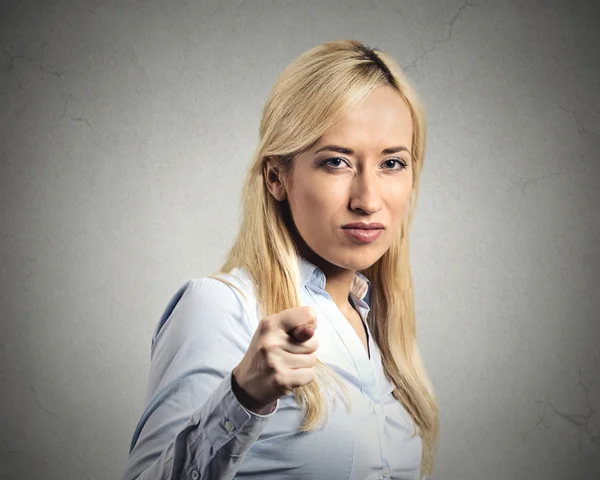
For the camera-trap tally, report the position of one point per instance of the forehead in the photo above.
(381, 119)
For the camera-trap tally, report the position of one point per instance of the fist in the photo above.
(281, 357)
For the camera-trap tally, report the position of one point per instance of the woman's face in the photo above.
(359, 171)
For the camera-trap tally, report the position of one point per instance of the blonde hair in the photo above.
(313, 93)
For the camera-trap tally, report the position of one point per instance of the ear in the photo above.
(273, 179)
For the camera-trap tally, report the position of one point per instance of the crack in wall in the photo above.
(581, 421)
(76, 119)
(524, 182)
(37, 60)
(581, 128)
(33, 393)
(448, 36)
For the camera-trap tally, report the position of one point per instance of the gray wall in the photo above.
(125, 132)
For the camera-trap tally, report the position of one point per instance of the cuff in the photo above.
(231, 427)
(265, 412)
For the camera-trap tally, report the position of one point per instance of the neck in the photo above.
(338, 280)
(338, 288)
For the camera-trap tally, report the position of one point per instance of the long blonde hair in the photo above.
(312, 94)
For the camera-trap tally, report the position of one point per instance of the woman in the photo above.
(314, 303)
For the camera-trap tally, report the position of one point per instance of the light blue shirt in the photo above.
(194, 428)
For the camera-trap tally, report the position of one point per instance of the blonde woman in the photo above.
(299, 360)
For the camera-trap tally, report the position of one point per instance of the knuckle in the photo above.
(270, 364)
(279, 380)
(268, 345)
(265, 325)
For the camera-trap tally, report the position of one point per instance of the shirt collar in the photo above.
(310, 274)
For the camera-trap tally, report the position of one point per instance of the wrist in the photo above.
(245, 399)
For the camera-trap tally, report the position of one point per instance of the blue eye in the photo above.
(337, 163)
(334, 162)
(393, 162)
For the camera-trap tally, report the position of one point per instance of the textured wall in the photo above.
(125, 131)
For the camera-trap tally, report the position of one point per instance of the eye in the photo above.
(395, 164)
(335, 163)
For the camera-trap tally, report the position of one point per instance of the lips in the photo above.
(363, 232)
(363, 226)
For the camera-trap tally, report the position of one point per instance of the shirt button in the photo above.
(195, 475)
(377, 408)
(229, 425)
(386, 472)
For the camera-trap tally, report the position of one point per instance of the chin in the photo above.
(350, 258)
(358, 260)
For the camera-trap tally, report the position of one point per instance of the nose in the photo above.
(365, 193)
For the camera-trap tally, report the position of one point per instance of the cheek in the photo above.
(313, 206)
(400, 201)
(301, 203)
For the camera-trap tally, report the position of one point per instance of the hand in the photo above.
(281, 357)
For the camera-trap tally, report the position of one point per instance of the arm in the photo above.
(194, 427)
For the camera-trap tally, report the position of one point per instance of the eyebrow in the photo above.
(349, 151)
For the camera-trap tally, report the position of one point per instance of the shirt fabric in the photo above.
(193, 426)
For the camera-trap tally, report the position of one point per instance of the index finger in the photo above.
(296, 317)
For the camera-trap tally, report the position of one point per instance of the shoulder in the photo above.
(239, 281)
(206, 305)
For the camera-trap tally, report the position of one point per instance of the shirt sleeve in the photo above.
(193, 426)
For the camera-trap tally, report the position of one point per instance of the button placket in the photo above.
(352, 343)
